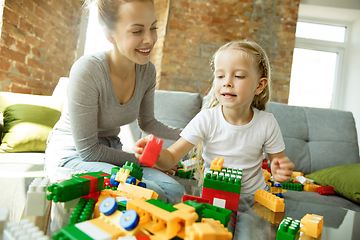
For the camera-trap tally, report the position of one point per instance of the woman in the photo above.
(110, 89)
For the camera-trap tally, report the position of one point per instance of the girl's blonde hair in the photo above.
(108, 11)
(255, 53)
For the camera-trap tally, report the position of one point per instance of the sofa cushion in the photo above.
(21, 137)
(344, 179)
(316, 138)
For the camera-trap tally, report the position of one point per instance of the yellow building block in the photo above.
(267, 175)
(133, 191)
(267, 214)
(160, 222)
(295, 174)
(269, 200)
(122, 175)
(217, 164)
(207, 229)
(311, 187)
(312, 225)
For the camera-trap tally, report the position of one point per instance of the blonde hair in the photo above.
(108, 11)
(255, 53)
(259, 57)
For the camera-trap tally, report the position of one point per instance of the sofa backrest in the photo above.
(316, 138)
(173, 108)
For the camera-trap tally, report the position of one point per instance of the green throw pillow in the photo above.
(26, 127)
(345, 179)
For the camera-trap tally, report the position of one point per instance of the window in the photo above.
(316, 64)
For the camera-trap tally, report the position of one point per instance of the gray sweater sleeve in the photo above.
(94, 111)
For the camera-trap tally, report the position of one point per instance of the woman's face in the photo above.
(135, 33)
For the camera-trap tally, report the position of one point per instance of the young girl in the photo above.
(108, 90)
(233, 124)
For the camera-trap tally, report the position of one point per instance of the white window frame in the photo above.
(328, 46)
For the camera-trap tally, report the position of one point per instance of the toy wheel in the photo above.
(131, 180)
(108, 206)
(113, 182)
(142, 184)
(129, 220)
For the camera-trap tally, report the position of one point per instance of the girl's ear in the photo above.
(262, 84)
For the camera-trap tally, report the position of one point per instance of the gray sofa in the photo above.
(315, 139)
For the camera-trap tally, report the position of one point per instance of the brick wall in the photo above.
(196, 28)
(38, 43)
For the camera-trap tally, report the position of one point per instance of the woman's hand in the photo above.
(139, 146)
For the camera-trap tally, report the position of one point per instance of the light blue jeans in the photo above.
(61, 152)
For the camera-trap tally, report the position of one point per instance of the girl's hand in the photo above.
(282, 168)
(139, 146)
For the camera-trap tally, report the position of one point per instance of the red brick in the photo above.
(13, 55)
(5, 64)
(10, 16)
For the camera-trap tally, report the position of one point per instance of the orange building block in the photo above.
(137, 192)
(311, 187)
(295, 174)
(217, 164)
(163, 223)
(267, 214)
(207, 229)
(269, 200)
(267, 176)
(312, 225)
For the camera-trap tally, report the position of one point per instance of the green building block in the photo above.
(164, 205)
(68, 190)
(289, 229)
(114, 170)
(100, 179)
(185, 173)
(199, 207)
(71, 233)
(217, 213)
(82, 212)
(135, 170)
(292, 186)
(222, 182)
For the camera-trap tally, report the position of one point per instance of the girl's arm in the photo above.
(168, 158)
(281, 166)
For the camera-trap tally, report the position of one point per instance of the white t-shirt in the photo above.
(240, 146)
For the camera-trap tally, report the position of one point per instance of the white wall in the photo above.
(351, 95)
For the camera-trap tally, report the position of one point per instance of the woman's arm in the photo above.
(281, 166)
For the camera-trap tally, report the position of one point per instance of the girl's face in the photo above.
(236, 79)
(135, 34)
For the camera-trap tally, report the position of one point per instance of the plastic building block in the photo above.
(289, 229)
(164, 205)
(151, 152)
(217, 164)
(267, 175)
(312, 225)
(183, 173)
(129, 220)
(232, 199)
(325, 190)
(189, 164)
(267, 214)
(295, 174)
(24, 230)
(135, 170)
(269, 200)
(207, 229)
(161, 222)
(82, 212)
(79, 185)
(221, 214)
(311, 187)
(195, 198)
(36, 197)
(137, 191)
(292, 186)
(228, 182)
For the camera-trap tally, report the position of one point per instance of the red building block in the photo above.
(194, 198)
(151, 151)
(325, 190)
(232, 199)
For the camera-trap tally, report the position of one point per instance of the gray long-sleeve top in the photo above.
(93, 111)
